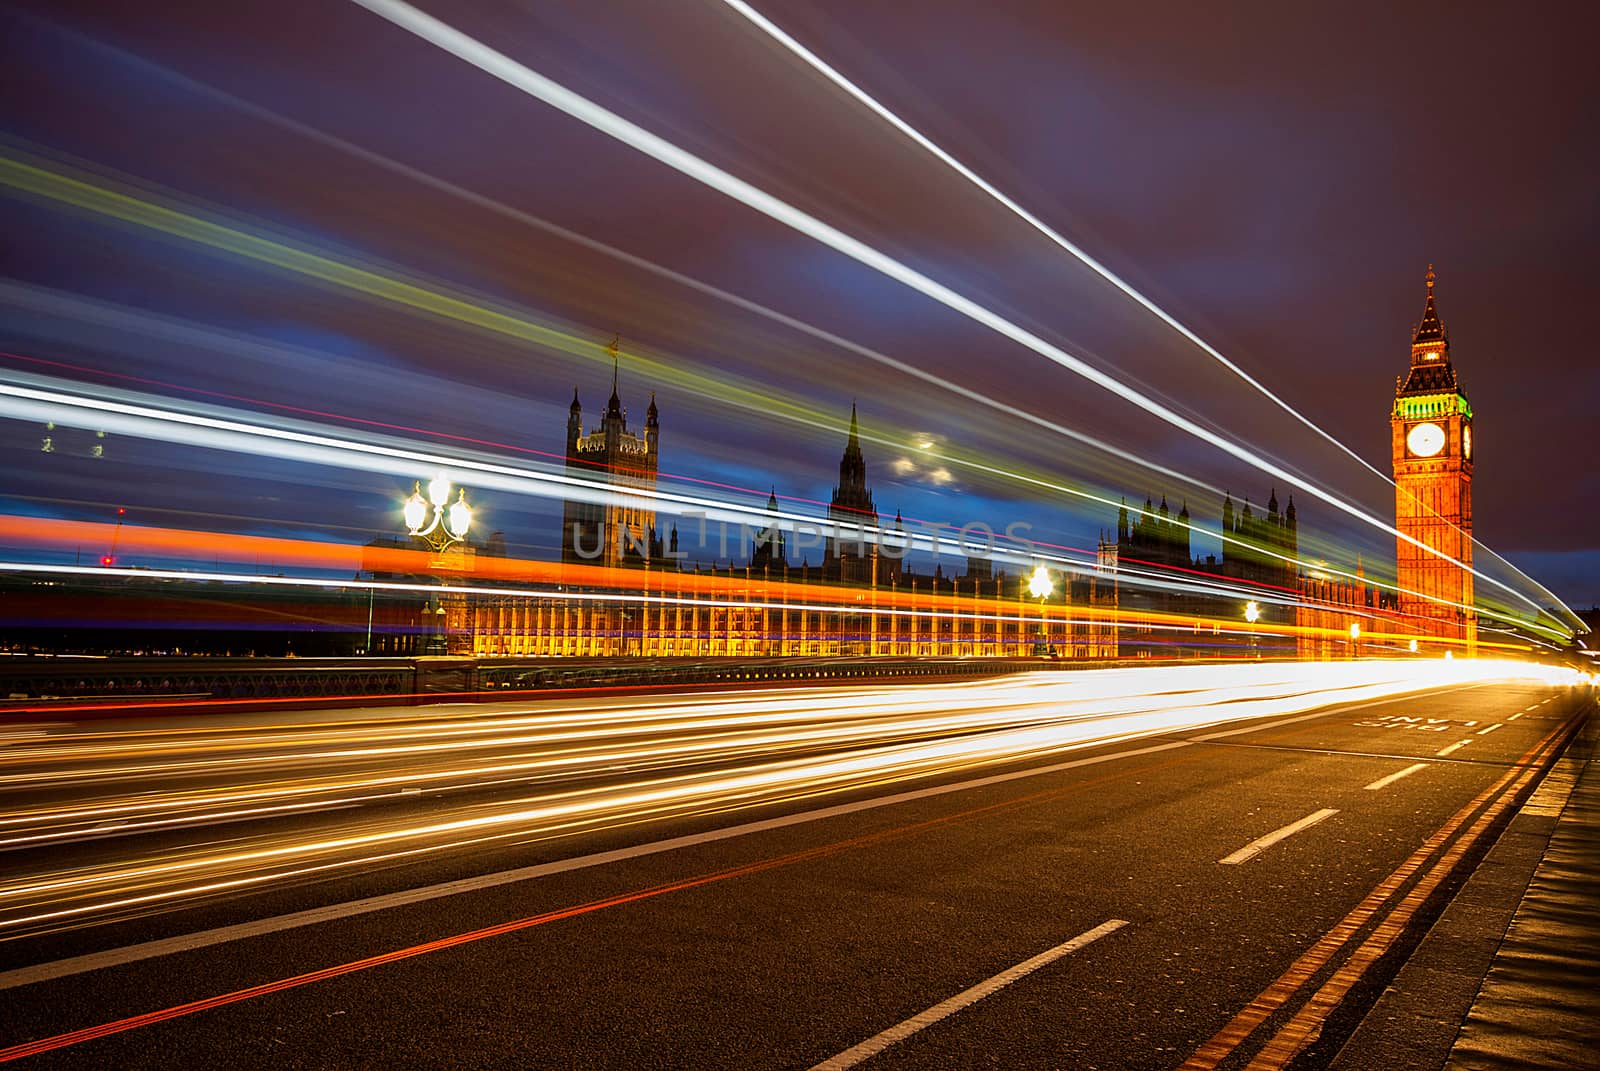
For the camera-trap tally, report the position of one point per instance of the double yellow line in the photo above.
(1306, 1024)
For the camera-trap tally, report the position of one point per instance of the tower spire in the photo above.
(1430, 329)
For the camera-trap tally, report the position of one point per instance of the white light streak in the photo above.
(541, 88)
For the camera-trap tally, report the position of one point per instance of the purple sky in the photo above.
(1278, 178)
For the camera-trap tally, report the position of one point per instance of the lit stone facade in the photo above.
(611, 533)
(857, 602)
(1432, 450)
(760, 617)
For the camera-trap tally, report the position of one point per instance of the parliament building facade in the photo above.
(1147, 596)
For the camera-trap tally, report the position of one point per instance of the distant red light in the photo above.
(106, 559)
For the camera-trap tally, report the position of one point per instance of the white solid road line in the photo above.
(114, 957)
(1490, 729)
(1392, 778)
(1457, 746)
(1256, 847)
(878, 1042)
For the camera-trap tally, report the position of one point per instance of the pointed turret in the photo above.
(1227, 513)
(614, 406)
(574, 424)
(1431, 371)
(850, 512)
(1430, 329)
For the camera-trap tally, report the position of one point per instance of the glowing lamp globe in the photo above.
(1039, 584)
(459, 518)
(439, 490)
(416, 510)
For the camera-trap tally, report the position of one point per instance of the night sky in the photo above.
(1279, 179)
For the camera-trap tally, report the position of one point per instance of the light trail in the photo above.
(319, 806)
(772, 30)
(41, 398)
(371, 283)
(707, 590)
(536, 85)
(44, 398)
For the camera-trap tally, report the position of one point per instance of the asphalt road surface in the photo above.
(900, 877)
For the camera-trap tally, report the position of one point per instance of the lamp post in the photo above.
(1355, 635)
(1040, 586)
(450, 520)
(1252, 614)
(441, 524)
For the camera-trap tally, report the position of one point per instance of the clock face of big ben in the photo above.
(1425, 440)
(1466, 442)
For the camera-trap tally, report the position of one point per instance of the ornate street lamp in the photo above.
(450, 520)
(441, 524)
(1252, 614)
(1040, 586)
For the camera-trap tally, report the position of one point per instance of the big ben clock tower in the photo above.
(1431, 443)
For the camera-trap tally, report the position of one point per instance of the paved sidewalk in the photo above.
(1539, 1006)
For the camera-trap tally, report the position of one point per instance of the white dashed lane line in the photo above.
(1392, 778)
(1261, 844)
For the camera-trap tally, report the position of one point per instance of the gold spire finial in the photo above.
(1430, 276)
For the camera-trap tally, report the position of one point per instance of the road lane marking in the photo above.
(878, 1042)
(1517, 715)
(1261, 844)
(1316, 958)
(1383, 782)
(1307, 1024)
(759, 866)
(1490, 729)
(334, 912)
(1457, 746)
(116, 957)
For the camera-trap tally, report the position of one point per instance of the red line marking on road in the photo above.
(134, 1022)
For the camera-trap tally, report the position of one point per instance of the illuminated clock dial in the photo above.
(1425, 440)
(1466, 442)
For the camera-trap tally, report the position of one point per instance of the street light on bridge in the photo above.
(448, 526)
(1040, 586)
(450, 519)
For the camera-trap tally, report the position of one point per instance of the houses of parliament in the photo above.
(1145, 596)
